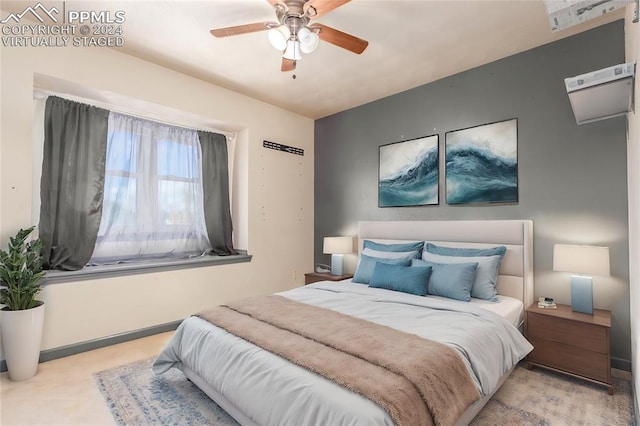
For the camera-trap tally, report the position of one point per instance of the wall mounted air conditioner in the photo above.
(601, 94)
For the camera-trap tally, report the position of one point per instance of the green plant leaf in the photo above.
(21, 271)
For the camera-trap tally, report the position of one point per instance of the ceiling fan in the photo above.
(293, 33)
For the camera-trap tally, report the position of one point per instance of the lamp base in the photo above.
(582, 294)
(336, 264)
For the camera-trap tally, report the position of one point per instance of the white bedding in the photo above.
(270, 390)
(507, 307)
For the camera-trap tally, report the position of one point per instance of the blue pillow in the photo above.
(484, 285)
(466, 252)
(394, 247)
(452, 280)
(367, 264)
(407, 279)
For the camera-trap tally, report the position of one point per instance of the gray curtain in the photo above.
(71, 189)
(215, 181)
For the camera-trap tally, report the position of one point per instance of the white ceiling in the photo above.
(411, 43)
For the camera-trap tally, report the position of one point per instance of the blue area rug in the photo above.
(136, 396)
(542, 397)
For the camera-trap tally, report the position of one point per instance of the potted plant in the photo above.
(22, 317)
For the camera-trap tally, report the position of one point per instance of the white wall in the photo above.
(273, 208)
(632, 48)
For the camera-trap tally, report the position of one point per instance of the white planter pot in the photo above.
(21, 339)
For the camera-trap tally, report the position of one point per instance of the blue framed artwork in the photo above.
(481, 164)
(408, 173)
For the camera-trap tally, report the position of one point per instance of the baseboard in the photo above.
(76, 348)
(621, 364)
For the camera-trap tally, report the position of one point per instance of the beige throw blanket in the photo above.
(417, 381)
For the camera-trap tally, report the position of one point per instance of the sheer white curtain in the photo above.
(153, 202)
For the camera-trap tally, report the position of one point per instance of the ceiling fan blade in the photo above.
(240, 29)
(340, 39)
(287, 65)
(317, 8)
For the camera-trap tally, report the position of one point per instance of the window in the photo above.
(152, 205)
(119, 188)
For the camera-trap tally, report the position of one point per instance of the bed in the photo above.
(257, 387)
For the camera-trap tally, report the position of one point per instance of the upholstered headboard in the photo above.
(516, 271)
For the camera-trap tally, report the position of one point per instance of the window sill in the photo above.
(121, 270)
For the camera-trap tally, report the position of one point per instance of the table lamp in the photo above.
(337, 247)
(586, 261)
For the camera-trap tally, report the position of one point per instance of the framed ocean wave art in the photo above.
(481, 164)
(408, 173)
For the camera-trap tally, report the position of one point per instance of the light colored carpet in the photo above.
(529, 397)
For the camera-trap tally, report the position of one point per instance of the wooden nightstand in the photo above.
(313, 277)
(571, 342)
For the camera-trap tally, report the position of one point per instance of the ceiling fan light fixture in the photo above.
(292, 52)
(278, 37)
(308, 40)
(294, 32)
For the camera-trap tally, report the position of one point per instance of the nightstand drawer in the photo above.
(572, 333)
(571, 359)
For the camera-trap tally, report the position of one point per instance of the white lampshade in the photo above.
(337, 245)
(588, 260)
(292, 51)
(308, 40)
(278, 37)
